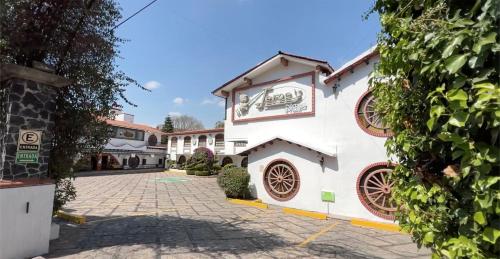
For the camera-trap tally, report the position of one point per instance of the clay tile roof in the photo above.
(129, 125)
(203, 131)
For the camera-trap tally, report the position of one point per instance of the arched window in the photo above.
(173, 143)
(187, 141)
(152, 140)
(187, 144)
(219, 142)
(227, 160)
(244, 162)
(182, 160)
(202, 141)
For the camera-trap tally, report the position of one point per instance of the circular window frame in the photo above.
(368, 170)
(270, 192)
(136, 162)
(152, 140)
(364, 124)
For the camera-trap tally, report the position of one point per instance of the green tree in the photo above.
(437, 87)
(77, 39)
(168, 126)
(219, 124)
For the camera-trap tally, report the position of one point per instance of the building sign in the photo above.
(28, 146)
(278, 98)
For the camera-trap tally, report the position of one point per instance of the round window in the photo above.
(281, 180)
(152, 140)
(374, 190)
(369, 120)
(133, 162)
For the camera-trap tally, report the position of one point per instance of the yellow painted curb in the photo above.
(318, 234)
(71, 217)
(305, 213)
(256, 204)
(376, 225)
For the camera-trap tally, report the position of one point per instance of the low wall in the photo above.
(25, 217)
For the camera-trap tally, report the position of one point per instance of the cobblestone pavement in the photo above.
(143, 216)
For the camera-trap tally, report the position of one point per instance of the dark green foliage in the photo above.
(202, 160)
(437, 88)
(216, 168)
(65, 192)
(190, 172)
(168, 126)
(76, 38)
(234, 181)
(202, 173)
(221, 177)
(219, 124)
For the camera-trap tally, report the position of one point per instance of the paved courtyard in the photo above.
(171, 215)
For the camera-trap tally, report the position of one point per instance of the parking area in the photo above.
(171, 215)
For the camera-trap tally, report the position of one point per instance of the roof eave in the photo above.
(247, 151)
(324, 64)
(358, 61)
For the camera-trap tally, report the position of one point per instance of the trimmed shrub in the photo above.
(222, 175)
(200, 167)
(202, 160)
(190, 172)
(216, 168)
(202, 173)
(234, 181)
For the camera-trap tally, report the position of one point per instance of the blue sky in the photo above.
(183, 50)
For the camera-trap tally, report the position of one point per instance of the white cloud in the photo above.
(174, 114)
(179, 100)
(209, 101)
(152, 85)
(213, 101)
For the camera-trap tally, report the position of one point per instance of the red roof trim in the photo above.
(339, 73)
(263, 62)
(303, 57)
(188, 132)
(129, 125)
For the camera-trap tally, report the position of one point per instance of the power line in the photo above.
(152, 2)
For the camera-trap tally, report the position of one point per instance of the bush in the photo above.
(437, 88)
(216, 168)
(222, 175)
(202, 160)
(202, 173)
(190, 172)
(234, 181)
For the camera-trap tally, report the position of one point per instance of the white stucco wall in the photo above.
(25, 235)
(307, 128)
(333, 125)
(194, 144)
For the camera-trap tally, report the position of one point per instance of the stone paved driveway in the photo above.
(144, 216)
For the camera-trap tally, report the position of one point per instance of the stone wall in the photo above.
(4, 101)
(27, 105)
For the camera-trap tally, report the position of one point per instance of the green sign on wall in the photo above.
(23, 157)
(328, 196)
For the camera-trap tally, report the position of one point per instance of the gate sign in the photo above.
(28, 146)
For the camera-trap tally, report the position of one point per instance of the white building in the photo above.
(181, 146)
(311, 136)
(131, 146)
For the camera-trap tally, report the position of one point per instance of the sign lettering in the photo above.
(28, 146)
